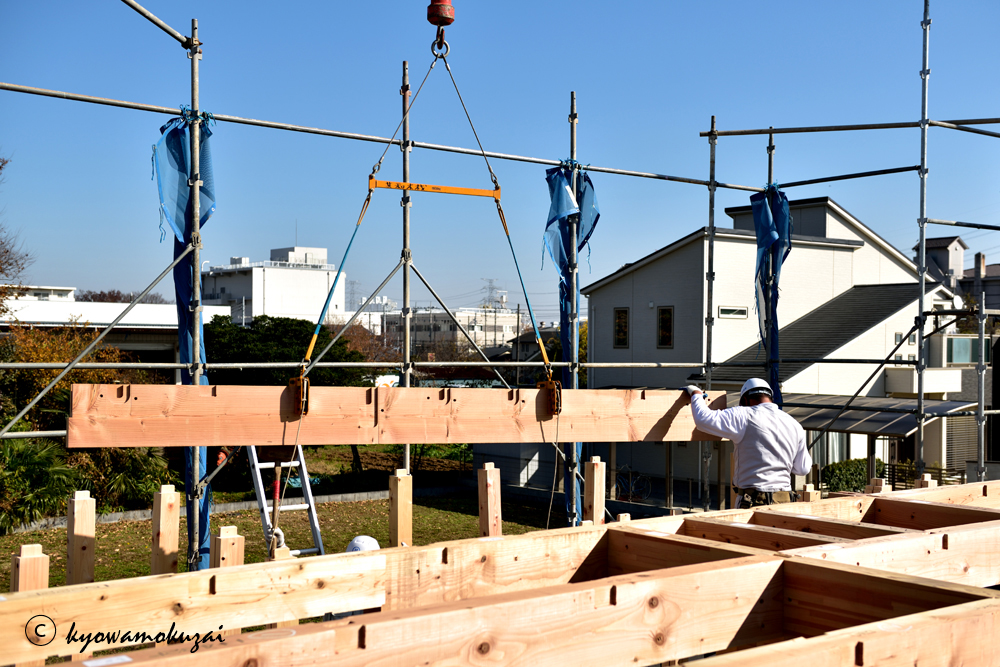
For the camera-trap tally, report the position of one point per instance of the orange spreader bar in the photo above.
(444, 189)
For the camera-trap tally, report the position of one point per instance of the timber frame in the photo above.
(888, 579)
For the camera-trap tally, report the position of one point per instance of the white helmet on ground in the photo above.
(754, 387)
(363, 543)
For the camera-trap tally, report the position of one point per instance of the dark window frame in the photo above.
(614, 328)
(659, 345)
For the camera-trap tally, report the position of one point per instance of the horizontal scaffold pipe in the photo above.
(847, 177)
(956, 223)
(20, 435)
(846, 361)
(224, 118)
(848, 128)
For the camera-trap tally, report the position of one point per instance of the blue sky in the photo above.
(648, 77)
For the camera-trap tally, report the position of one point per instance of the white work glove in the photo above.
(692, 390)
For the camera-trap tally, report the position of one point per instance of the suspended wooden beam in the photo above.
(185, 416)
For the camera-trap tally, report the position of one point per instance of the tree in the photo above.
(13, 259)
(117, 296)
(371, 346)
(275, 339)
(584, 329)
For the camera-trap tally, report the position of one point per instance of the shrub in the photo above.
(121, 478)
(850, 475)
(34, 481)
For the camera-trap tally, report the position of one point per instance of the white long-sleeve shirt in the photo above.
(770, 444)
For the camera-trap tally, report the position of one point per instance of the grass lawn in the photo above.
(123, 549)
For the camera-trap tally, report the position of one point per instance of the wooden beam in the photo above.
(594, 482)
(749, 535)
(241, 596)
(924, 515)
(627, 620)
(468, 569)
(633, 549)
(176, 415)
(282, 553)
(822, 597)
(490, 516)
(968, 554)
(853, 508)
(166, 527)
(851, 530)
(979, 494)
(401, 509)
(81, 513)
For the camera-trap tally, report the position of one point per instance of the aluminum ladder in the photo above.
(265, 510)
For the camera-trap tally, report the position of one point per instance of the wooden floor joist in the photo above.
(639, 592)
(184, 416)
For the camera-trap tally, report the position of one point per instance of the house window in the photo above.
(898, 357)
(911, 357)
(665, 327)
(621, 327)
(732, 312)
(913, 339)
(899, 337)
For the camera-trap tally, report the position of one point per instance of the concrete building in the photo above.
(149, 331)
(491, 328)
(293, 283)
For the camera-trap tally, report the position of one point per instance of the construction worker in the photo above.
(770, 444)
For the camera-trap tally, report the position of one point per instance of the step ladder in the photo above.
(266, 510)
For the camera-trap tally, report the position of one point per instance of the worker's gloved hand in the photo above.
(692, 390)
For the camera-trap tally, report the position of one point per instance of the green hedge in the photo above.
(851, 475)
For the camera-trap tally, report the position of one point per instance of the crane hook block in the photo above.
(299, 389)
(440, 13)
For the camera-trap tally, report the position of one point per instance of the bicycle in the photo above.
(631, 486)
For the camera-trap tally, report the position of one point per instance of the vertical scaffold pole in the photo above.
(713, 139)
(574, 316)
(981, 394)
(406, 257)
(769, 274)
(925, 73)
(194, 544)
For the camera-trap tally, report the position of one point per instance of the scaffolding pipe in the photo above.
(925, 73)
(406, 255)
(224, 118)
(955, 223)
(981, 386)
(846, 177)
(574, 322)
(962, 128)
(710, 273)
(185, 41)
(20, 435)
(194, 486)
(93, 344)
(952, 124)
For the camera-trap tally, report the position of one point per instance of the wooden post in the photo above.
(490, 519)
(81, 513)
(624, 517)
(29, 571)
(226, 550)
(282, 553)
(166, 526)
(593, 490)
(401, 509)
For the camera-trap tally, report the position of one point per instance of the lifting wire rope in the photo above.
(300, 385)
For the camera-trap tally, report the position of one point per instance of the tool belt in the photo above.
(747, 498)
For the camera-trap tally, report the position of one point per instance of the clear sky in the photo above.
(648, 77)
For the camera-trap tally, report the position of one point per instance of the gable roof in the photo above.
(826, 329)
(992, 271)
(942, 242)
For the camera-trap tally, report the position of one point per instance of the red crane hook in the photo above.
(440, 13)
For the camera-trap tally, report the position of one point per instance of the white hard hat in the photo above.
(363, 543)
(752, 387)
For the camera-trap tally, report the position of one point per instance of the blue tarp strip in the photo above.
(564, 203)
(773, 225)
(172, 163)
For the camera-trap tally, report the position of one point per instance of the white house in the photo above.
(844, 293)
(293, 283)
